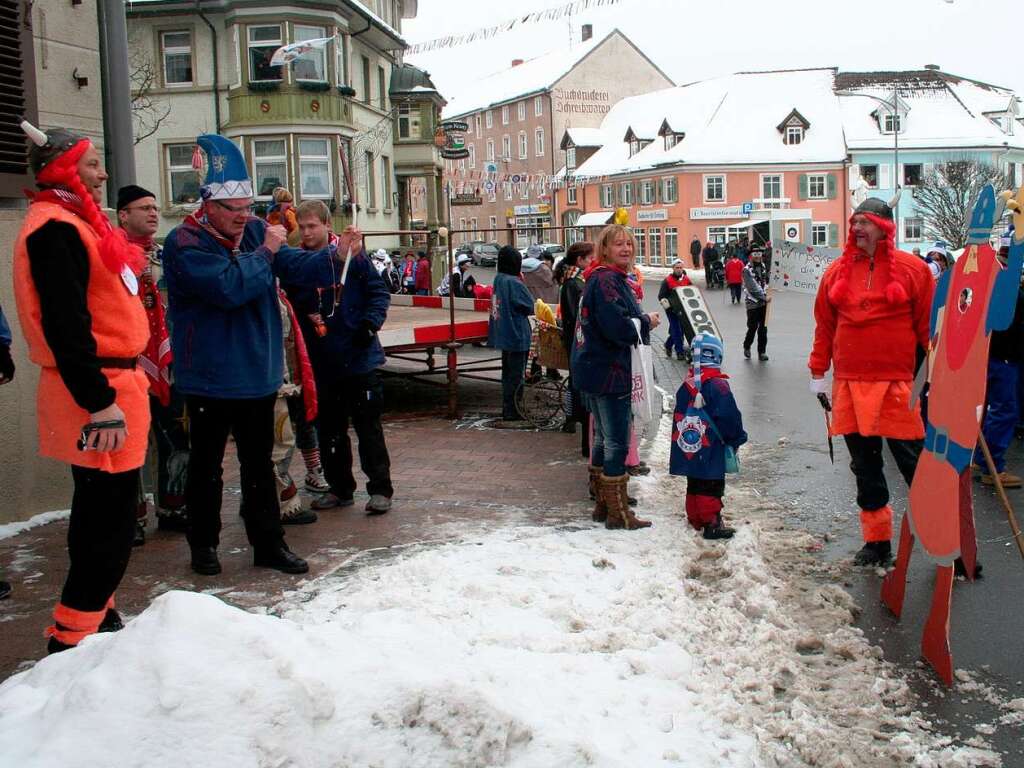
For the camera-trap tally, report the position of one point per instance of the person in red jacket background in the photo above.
(871, 319)
(423, 282)
(734, 278)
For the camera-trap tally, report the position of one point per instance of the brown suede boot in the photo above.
(600, 508)
(613, 492)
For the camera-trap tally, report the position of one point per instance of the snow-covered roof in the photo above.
(583, 137)
(532, 76)
(943, 111)
(726, 120)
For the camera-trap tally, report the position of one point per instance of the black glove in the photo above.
(6, 363)
(365, 335)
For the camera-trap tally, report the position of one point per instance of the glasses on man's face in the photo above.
(146, 208)
(235, 209)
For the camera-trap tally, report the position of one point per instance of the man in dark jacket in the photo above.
(509, 330)
(220, 266)
(755, 289)
(340, 327)
(679, 330)
(710, 256)
(462, 283)
(695, 251)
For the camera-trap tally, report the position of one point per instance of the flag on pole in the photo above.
(289, 53)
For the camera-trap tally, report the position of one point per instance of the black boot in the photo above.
(111, 622)
(746, 352)
(874, 553)
(172, 520)
(205, 561)
(140, 533)
(56, 646)
(717, 530)
(280, 558)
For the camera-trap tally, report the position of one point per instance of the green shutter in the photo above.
(801, 186)
(833, 231)
(830, 186)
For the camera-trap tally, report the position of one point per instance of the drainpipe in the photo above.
(216, 66)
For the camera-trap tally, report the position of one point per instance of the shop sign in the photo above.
(451, 140)
(467, 200)
(658, 214)
(721, 212)
(532, 210)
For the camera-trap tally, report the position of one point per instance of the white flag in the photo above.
(289, 53)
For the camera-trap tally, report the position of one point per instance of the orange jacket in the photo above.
(121, 330)
(865, 338)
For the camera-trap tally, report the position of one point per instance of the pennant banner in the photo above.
(486, 33)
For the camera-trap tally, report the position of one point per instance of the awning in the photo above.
(598, 219)
(755, 218)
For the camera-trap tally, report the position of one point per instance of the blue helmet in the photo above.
(707, 351)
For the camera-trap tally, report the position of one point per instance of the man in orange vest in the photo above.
(76, 286)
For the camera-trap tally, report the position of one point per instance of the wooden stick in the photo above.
(1002, 493)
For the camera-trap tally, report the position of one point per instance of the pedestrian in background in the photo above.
(707, 423)
(601, 361)
(422, 280)
(570, 271)
(409, 274)
(695, 252)
(677, 339)
(508, 330)
(755, 291)
(710, 256)
(734, 277)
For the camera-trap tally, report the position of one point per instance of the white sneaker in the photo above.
(316, 482)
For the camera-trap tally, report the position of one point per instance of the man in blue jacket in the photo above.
(340, 328)
(220, 267)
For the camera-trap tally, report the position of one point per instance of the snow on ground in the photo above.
(551, 647)
(7, 530)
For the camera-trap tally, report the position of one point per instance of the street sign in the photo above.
(748, 208)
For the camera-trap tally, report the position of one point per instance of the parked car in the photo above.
(485, 254)
(555, 249)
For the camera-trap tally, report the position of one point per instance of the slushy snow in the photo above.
(527, 647)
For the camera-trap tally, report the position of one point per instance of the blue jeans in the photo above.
(612, 417)
(513, 369)
(1000, 412)
(675, 335)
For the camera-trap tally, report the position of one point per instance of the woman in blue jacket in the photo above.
(509, 330)
(600, 366)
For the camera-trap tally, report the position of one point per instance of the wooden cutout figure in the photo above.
(973, 298)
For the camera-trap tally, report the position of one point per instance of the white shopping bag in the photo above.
(642, 369)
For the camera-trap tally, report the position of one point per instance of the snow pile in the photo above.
(7, 530)
(528, 647)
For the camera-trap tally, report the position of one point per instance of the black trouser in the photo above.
(737, 292)
(251, 421)
(756, 324)
(513, 368)
(358, 399)
(866, 464)
(171, 449)
(100, 536)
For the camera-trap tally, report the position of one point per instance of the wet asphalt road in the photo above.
(987, 619)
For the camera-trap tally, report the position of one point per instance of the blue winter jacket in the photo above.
(605, 334)
(364, 303)
(225, 320)
(511, 305)
(5, 330)
(696, 450)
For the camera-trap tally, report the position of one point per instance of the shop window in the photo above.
(655, 246)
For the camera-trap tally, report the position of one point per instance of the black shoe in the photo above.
(205, 561)
(746, 352)
(175, 520)
(569, 427)
(111, 622)
(717, 530)
(300, 517)
(762, 357)
(56, 646)
(5, 589)
(330, 501)
(140, 534)
(874, 553)
(960, 570)
(280, 558)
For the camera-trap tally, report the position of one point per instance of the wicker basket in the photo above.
(551, 352)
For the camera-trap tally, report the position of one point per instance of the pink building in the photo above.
(758, 154)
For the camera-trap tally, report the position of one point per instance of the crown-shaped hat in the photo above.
(982, 216)
(227, 177)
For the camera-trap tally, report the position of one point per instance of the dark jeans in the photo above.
(513, 369)
(736, 289)
(866, 463)
(251, 421)
(100, 535)
(612, 417)
(675, 335)
(1001, 412)
(755, 324)
(171, 438)
(358, 399)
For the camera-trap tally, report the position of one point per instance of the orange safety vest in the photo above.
(120, 329)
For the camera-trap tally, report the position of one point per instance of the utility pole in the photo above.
(117, 94)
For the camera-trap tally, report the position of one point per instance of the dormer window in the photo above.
(635, 142)
(892, 123)
(634, 147)
(570, 159)
(671, 139)
(793, 128)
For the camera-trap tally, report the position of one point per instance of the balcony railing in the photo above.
(288, 105)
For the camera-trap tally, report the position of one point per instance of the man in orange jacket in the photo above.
(76, 286)
(871, 319)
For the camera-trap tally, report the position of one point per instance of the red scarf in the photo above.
(306, 379)
(156, 358)
(115, 250)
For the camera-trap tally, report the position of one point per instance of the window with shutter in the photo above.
(17, 83)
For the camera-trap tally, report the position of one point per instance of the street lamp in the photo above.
(897, 125)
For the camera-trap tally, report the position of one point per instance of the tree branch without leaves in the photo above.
(946, 195)
(147, 112)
